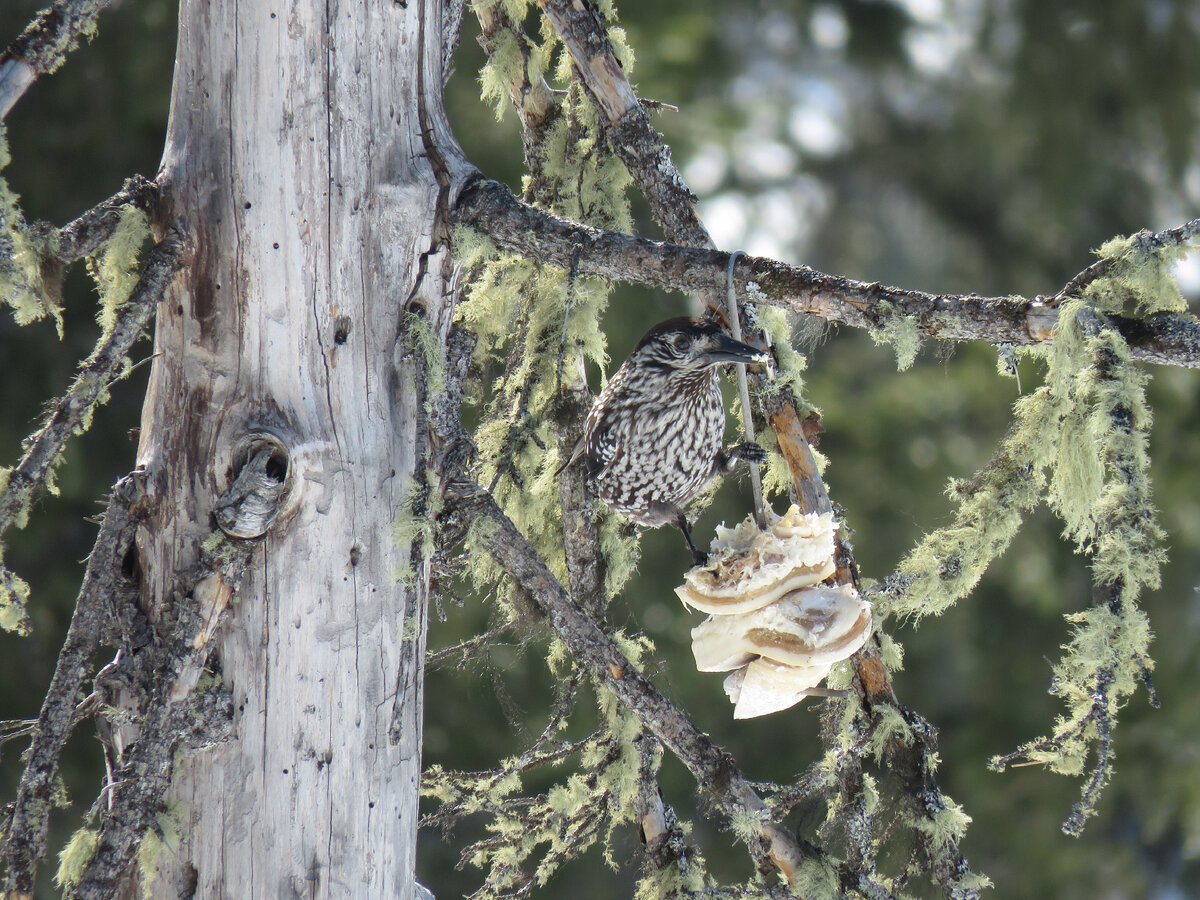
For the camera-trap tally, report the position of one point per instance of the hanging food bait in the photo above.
(749, 569)
(771, 621)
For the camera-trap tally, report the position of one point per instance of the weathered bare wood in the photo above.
(310, 156)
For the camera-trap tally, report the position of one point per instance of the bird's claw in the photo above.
(749, 451)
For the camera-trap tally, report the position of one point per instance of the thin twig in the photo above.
(735, 327)
(599, 655)
(464, 649)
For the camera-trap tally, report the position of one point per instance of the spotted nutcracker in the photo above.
(654, 437)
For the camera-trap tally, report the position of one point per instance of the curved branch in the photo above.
(43, 45)
(84, 235)
(626, 122)
(1169, 237)
(490, 207)
(533, 100)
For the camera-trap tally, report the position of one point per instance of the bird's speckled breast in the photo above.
(658, 449)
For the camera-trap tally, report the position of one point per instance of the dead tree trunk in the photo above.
(309, 164)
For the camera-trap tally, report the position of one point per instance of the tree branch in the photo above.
(599, 655)
(43, 45)
(648, 160)
(1169, 237)
(95, 376)
(160, 677)
(490, 208)
(26, 843)
(84, 236)
(533, 100)
(626, 122)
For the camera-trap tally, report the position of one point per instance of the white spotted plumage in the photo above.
(645, 456)
(654, 437)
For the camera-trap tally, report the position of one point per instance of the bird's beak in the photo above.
(727, 350)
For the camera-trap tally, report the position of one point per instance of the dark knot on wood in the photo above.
(248, 506)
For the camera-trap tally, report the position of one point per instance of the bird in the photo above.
(654, 438)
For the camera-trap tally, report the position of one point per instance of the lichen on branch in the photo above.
(538, 325)
(535, 328)
(131, 306)
(1107, 508)
(1080, 443)
(30, 284)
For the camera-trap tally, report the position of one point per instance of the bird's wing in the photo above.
(601, 444)
(599, 441)
(597, 445)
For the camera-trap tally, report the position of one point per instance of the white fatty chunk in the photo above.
(782, 653)
(750, 569)
(815, 626)
(763, 687)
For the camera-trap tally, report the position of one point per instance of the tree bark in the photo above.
(310, 164)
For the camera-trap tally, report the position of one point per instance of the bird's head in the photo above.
(691, 345)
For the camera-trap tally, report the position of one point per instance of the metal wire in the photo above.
(735, 326)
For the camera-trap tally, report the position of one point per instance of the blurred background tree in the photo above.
(945, 145)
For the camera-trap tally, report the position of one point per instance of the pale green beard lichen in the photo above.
(1139, 279)
(537, 327)
(115, 267)
(75, 856)
(1107, 510)
(900, 332)
(25, 255)
(48, 53)
(789, 375)
(548, 829)
(159, 844)
(536, 324)
(791, 363)
(1080, 443)
(14, 594)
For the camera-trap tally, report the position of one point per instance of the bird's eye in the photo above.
(681, 342)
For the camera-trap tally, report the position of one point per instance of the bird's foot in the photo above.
(748, 451)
